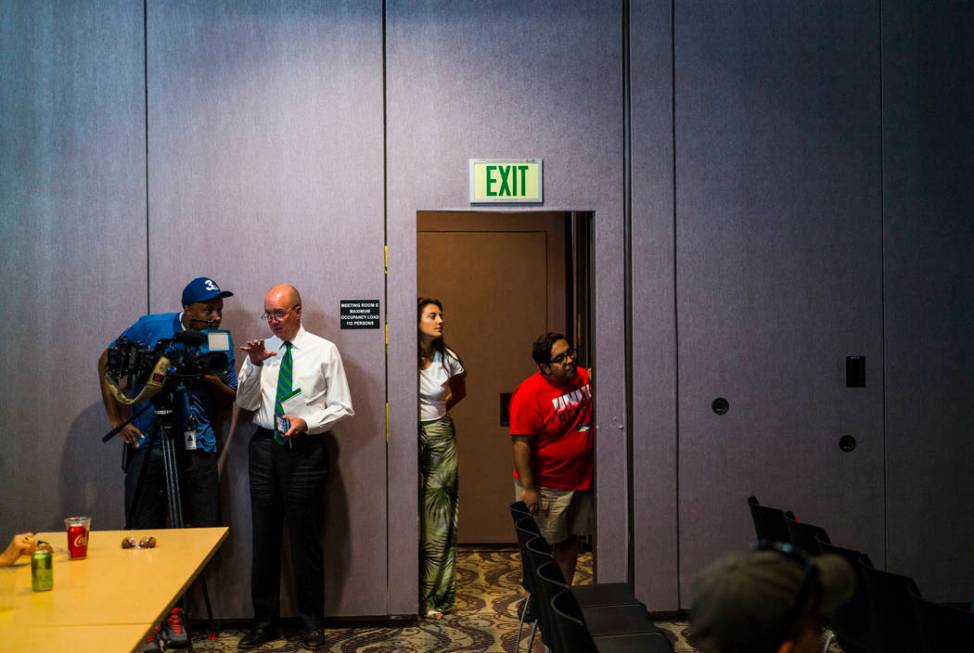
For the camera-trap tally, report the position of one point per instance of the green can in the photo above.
(42, 571)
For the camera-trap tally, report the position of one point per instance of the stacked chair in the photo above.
(892, 625)
(609, 614)
(526, 530)
(887, 613)
(770, 524)
(806, 537)
(600, 620)
(850, 623)
(943, 629)
(575, 637)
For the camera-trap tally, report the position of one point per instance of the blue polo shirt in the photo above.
(149, 330)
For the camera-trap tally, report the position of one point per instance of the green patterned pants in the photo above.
(439, 507)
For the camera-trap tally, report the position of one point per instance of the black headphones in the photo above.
(809, 583)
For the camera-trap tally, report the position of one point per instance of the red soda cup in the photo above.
(78, 529)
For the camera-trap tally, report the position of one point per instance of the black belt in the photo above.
(264, 433)
(268, 433)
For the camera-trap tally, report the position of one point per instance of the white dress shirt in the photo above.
(317, 370)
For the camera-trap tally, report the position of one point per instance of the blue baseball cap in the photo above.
(202, 289)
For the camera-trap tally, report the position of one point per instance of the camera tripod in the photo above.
(165, 432)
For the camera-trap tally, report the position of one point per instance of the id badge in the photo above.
(283, 424)
(189, 440)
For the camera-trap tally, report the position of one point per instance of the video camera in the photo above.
(185, 357)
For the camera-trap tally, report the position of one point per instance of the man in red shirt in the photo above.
(551, 418)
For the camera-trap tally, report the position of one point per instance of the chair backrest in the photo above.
(943, 629)
(893, 627)
(526, 530)
(519, 509)
(570, 625)
(548, 581)
(538, 547)
(805, 536)
(551, 573)
(850, 622)
(769, 523)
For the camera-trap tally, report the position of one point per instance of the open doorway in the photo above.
(504, 279)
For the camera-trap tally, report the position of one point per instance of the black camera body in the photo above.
(190, 354)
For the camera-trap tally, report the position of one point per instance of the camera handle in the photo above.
(118, 429)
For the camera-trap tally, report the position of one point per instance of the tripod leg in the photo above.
(132, 508)
(214, 627)
(172, 483)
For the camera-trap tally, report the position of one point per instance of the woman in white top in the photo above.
(441, 386)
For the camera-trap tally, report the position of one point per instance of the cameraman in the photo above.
(146, 504)
(202, 309)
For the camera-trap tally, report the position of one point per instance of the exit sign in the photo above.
(499, 181)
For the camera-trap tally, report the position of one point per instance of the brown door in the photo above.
(501, 278)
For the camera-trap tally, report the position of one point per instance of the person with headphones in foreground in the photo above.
(769, 600)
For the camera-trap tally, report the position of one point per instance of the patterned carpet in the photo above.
(485, 620)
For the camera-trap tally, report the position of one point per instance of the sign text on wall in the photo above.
(500, 181)
(359, 314)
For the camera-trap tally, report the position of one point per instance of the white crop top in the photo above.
(434, 385)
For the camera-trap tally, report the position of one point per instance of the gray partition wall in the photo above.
(928, 164)
(72, 232)
(265, 166)
(506, 79)
(779, 270)
(654, 427)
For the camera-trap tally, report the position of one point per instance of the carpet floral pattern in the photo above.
(485, 620)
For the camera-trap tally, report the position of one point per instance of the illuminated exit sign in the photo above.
(499, 181)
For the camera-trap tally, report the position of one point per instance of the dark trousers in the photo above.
(287, 486)
(199, 488)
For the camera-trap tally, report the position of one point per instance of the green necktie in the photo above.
(284, 391)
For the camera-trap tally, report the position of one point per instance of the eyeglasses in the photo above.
(277, 316)
(563, 356)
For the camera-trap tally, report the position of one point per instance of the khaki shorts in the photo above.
(562, 512)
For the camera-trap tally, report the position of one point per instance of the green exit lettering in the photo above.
(511, 180)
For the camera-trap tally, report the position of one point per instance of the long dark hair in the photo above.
(438, 343)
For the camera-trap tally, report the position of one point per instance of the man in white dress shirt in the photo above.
(296, 384)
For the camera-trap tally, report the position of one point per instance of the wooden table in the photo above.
(107, 601)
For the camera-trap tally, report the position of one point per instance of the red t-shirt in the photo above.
(558, 420)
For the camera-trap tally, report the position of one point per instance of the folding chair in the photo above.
(850, 623)
(574, 636)
(805, 536)
(769, 523)
(601, 620)
(943, 629)
(526, 530)
(893, 627)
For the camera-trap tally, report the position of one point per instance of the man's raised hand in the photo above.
(257, 352)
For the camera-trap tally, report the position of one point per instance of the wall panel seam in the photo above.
(627, 280)
(145, 100)
(676, 306)
(882, 259)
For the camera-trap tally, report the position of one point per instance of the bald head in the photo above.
(284, 300)
(284, 292)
